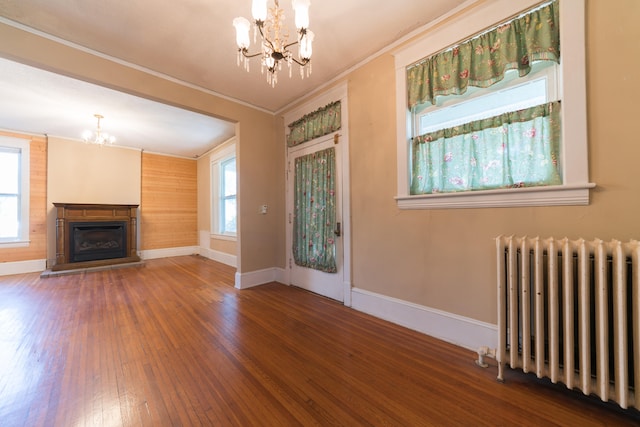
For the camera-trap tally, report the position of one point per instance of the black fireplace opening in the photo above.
(93, 241)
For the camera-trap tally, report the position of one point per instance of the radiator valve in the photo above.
(485, 352)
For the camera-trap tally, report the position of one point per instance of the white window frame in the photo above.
(473, 17)
(23, 233)
(222, 155)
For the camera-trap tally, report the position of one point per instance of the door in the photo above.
(314, 202)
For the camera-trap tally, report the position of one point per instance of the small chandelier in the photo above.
(274, 38)
(98, 137)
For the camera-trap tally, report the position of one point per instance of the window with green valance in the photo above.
(517, 146)
(483, 60)
(318, 123)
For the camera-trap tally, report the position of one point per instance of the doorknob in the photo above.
(337, 230)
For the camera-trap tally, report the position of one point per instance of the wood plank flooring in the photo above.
(172, 343)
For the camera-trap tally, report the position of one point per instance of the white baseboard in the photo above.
(218, 256)
(260, 277)
(461, 331)
(348, 297)
(20, 267)
(282, 276)
(169, 252)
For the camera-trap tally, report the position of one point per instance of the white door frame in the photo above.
(335, 94)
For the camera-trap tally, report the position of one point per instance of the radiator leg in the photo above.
(480, 362)
(482, 353)
(500, 372)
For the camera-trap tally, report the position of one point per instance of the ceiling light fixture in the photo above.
(274, 38)
(98, 137)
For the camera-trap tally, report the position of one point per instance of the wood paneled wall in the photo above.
(37, 248)
(168, 210)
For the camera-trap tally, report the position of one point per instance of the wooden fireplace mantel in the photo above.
(77, 212)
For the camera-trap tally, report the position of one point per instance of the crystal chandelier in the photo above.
(98, 137)
(274, 43)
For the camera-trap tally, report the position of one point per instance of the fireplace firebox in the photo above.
(95, 235)
(91, 241)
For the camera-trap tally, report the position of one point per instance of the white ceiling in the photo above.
(41, 102)
(189, 40)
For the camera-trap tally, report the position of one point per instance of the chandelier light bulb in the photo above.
(243, 26)
(270, 62)
(259, 10)
(306, 42)
(301, 9)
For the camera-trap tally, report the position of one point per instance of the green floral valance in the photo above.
(313, 125)
(517, 149)
(520, 116)
(483, 60)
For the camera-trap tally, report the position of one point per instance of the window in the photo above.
(228, 196)
(511, 94)
(429, 170)
(224, 192)
(14, 191)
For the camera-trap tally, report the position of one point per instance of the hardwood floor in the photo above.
(172, 343)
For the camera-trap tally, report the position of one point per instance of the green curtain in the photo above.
(314, 218)
(313, 125)
(483, 60)
(517, 149)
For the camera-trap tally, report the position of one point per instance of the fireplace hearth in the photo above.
(95, 235)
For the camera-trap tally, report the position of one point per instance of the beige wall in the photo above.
(261, 181)
(87, 173)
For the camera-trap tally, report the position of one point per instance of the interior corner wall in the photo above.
(85, 173)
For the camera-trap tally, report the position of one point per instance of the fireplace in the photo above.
(95, 235)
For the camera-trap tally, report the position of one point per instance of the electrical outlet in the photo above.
(263, 209)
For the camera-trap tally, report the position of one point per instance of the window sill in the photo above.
(228, 237)
(15, 244)
(560, 195)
